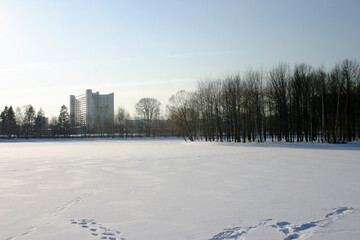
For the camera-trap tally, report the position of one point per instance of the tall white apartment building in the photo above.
(92, 110)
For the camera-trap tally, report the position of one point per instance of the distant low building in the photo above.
(92, 110)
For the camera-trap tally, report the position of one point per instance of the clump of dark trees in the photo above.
(29, 124)
(292, 104)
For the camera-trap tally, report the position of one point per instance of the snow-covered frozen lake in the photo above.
(172, 190)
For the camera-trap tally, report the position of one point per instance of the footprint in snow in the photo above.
(290, 231)
(238, 233)
(98, 230)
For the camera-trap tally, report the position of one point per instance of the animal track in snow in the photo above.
(290, 231)
(98, 230)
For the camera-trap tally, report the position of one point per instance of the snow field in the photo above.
(169, 189)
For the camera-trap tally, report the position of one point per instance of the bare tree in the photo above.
(183, 114)
(121, 121)
(209, 106)
(232, 101)
(320, 87)
(148, 109)
(253, 104)
(279, 93)
(350, 71)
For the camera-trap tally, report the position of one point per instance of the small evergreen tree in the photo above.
(64, 121)
(11, 122)
(40, 122)
(3, 117)
(29, 120)
(8, 122)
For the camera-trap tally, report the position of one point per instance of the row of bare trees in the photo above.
(291, 104)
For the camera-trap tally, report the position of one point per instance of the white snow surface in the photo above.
(159, 189)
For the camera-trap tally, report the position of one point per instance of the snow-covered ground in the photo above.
(172, 190)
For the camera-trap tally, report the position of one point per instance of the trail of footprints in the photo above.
(98, 230)
(68, 204)
(288, 230)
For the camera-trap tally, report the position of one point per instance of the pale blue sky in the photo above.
(51, 49)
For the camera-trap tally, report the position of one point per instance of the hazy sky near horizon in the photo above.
(51, 49)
